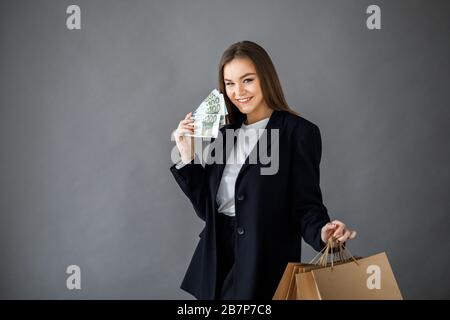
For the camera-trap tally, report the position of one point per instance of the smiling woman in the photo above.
(249, 78)
(243, 88)
(253, 222)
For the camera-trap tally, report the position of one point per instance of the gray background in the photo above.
(86, 118)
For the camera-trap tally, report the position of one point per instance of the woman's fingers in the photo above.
(188, 115)
(329, 226)
(185, 126)
(340, 230)
(182, 131)
(327, 231)
(345, 236)
(188, 126)
(186, 121)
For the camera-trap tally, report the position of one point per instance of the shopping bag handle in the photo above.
(342, 255)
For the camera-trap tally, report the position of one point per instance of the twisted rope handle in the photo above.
(343, 255)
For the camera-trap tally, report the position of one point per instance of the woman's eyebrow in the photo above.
(245, 75)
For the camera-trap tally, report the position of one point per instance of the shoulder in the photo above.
(304, 136)
(299, 126)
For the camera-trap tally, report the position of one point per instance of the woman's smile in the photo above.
(243, 88)
(244, 100)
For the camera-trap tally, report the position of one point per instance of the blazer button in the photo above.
(240, 197)
(240, 231)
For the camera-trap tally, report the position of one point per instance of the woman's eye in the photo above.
(248, 80)
(228, 84)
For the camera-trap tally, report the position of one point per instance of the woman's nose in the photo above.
(239, 91)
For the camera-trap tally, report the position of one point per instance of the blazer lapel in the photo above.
(273, 123)
(221, 166)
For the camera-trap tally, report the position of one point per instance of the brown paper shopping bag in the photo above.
(286, 282)
(287, 287)
(348, 278)
(306, 287)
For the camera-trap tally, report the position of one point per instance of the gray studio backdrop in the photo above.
(86, 117)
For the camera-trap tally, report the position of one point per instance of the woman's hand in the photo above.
(184, 143)
(338, 230)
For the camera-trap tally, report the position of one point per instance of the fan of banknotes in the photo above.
(209, 116)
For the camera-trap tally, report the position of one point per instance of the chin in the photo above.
(246, 110)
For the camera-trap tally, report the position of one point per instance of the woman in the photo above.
(253, 222)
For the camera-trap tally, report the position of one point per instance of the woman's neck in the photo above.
(257, 116)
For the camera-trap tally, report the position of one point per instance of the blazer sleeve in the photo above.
(192, 180)
(308, 204)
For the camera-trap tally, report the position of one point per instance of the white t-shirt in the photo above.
(246, 140)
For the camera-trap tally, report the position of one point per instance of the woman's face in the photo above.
(243, 86)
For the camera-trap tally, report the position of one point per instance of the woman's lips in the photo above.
(244, 100)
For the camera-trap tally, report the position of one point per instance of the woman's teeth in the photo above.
(243, 100)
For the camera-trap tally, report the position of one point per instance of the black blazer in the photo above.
(272, 211)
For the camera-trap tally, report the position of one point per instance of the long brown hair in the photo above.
(270, 84)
